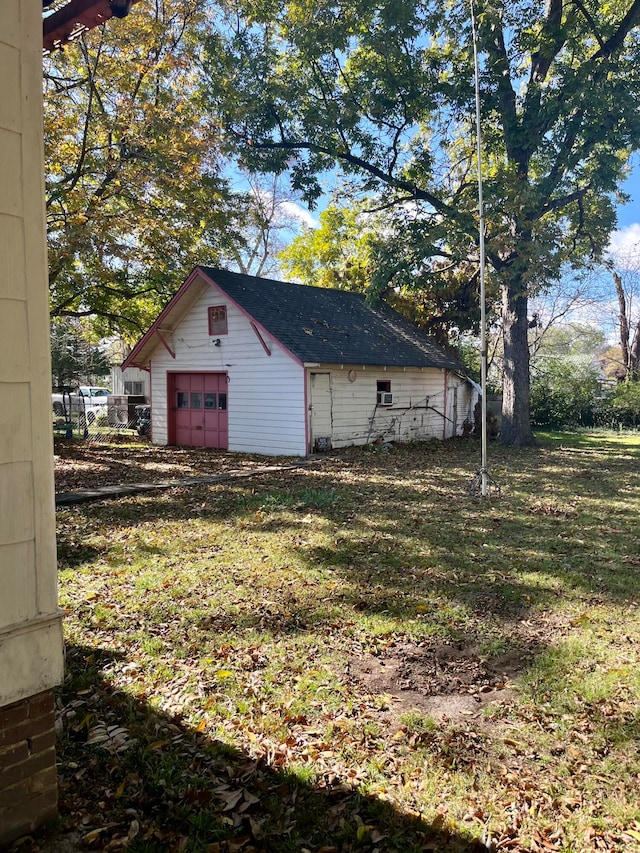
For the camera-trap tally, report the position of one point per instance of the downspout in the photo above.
(151, 407)
(307, 413)
(444, 420)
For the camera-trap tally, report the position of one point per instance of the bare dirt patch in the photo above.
(444, 681)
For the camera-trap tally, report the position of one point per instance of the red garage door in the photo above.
(199, 407)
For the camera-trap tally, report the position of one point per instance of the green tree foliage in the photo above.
(338, 253)
(566, 387)
(383, 89)
(571, 339)
(622, 405)
(75, 359)
(564, 391)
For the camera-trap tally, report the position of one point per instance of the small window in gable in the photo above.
(218, 320)
(384, 397)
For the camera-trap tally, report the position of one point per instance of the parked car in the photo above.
(90, 400)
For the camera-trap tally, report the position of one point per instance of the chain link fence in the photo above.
(101, 424)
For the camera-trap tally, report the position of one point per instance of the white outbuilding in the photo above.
(255, 365)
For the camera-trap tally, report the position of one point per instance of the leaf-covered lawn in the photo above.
(360, 656)
(81, 465)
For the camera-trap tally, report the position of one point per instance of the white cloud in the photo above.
(296, 211)
(625, 244)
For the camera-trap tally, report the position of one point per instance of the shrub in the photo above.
(622, 405)
(564, 392)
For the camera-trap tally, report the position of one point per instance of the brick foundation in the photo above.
(28, 788)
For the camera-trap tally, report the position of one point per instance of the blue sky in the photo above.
(629, 214)
(625, 240)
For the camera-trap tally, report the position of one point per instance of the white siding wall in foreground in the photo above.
(30, 623)
(265, 395)
(422, 404)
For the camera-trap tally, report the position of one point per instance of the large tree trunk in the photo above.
(624, 323)
(516, 413)
(634, 355)
(630, 344)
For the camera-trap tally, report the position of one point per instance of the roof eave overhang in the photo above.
(381, 366)
(141, 353)
(78, 16)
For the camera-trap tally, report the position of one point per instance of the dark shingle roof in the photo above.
(319, 324)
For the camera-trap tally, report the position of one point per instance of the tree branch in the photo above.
(91, 72)
(464, 221)
(614, 43)
(559, 203)
(551, 42)
(395, 202)
(501, 73)
(589, 19)
(108, 315)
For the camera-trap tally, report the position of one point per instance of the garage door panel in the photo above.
(200, 410)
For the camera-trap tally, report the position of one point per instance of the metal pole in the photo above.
(484, 475)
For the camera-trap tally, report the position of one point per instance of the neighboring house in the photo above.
(131, 382)
(261, 366)
(580, 365)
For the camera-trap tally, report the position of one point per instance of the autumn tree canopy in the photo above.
(137, 190)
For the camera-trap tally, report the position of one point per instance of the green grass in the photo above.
(216, 625)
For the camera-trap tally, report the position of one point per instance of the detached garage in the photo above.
(261, 366)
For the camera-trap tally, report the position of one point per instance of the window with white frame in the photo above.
(135, 389)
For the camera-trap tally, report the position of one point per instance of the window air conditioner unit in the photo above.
(385, 398)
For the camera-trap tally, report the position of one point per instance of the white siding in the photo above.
(467, 397)
(31, 656)
(131, 374)
(266, 401)
(421, 405)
